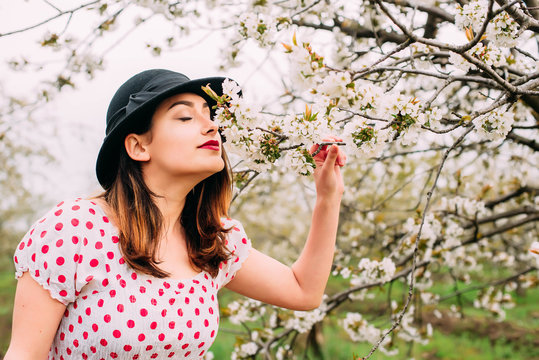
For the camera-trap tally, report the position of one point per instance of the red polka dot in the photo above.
(61, 279)
(134, 276)
(180, 312)
(75, 222)
(103, 342)
(45, 249)
(130, 324)
(58, 226)
(172, 325)
(171, 301)
(95, 327)
(110, 255)
(60, 261)
(127, 347)
(197, 334)
(21, 246)
(122, 261)
(180, 336)
(98, 245)
(107, 318)
(201, 345)
(143, 312)
(92, 211)
(132, 299)
(142, 289)
(161, 337)
(75, 239)
(43, 233)
(113, 355)
(120, 308)
(153, 325)
(189, 324)
(85, 335)
(105, 219)
(75, 207)
(100, 302)
(89, 225)
(94, 262)
(59, 243)
(115, 239)
(141, 337)
(58, 212)
(116, 333)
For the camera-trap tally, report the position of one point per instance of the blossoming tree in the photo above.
(437, 105)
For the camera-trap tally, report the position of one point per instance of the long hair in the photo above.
(140, 222)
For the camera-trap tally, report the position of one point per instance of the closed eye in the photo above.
(185, 118)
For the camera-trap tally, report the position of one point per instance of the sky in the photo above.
(72, 126)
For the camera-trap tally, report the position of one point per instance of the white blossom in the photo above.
(494, 125)
(303, 321)
(373, 271)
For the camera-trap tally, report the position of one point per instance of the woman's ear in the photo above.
(136, 147)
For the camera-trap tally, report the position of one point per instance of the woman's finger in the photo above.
(331, 158)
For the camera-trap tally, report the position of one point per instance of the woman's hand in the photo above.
(327, 175)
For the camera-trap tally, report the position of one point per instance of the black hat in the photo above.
(133, 105)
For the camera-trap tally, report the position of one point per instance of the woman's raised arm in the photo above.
(301, 286)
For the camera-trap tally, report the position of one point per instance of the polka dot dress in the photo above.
(112, 311)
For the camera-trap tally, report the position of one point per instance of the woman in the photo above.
(134, 273)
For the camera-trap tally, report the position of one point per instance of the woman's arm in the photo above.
(301, 286)
(36, 316)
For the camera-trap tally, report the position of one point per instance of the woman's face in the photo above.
(183, 140)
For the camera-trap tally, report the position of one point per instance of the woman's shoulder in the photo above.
(236, 236)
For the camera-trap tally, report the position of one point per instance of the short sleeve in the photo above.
(239, 245)
(52, 251)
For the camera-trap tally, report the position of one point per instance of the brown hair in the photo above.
(139, 220)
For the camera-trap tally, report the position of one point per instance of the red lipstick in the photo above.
(211, 145)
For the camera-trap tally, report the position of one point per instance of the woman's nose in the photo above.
(209, 124)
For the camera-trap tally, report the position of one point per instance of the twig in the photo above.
(50, 19)
(322, 144)
(416, 247)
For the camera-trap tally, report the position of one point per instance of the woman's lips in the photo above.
(211, 145)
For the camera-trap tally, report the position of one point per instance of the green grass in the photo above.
(7, 294)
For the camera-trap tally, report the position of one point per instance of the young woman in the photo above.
(134, 272)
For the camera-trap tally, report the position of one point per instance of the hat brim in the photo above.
(108, 157)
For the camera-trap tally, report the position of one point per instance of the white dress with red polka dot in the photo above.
(113, 312)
